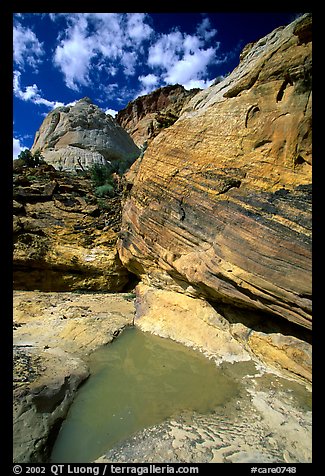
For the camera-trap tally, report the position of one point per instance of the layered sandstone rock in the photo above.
(75, 137)
(145, 117)
(220, 205)
(63, 238)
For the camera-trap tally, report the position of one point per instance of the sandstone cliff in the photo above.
(64, 239)
(220, 204)
(75, 137)
(148, 115)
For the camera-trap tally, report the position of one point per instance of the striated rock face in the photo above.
(63, 238)
(220, 204)
(73, 137)
(148, 115)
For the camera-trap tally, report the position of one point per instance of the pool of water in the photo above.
(137, 381)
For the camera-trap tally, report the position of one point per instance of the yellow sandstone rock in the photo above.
(220, 203)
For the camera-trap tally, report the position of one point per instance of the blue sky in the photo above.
(115, 57)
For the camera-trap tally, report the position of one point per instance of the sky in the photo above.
(113, 58)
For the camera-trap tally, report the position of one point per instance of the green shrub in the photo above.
(166, 120)
(103, 204)
(100, 174)
(102, 180)
(106, 190)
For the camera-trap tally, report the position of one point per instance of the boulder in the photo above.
(75, 137)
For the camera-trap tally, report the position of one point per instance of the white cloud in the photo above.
(96, 41)
(108, 89)
(191, 43)
(27, 48)
(198, 83)
(149, 83)
(137, 29)
(73, 56)
(120, 43)
(129, 60)
(205, 31)
(111, 70)
(149, 80)
(191, 67)
(111, 112)
(166, 50)
(184, 59)
(17, 147)
(32, 93)
(117, 92)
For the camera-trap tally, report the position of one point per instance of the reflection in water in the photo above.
(137, 381)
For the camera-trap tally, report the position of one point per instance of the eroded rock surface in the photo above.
(145, 117)
(64, 237)
(75, 137)
(220, 204)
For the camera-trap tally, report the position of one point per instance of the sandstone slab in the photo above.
(223, 334)
(193, 322)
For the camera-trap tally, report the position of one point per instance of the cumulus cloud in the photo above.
(137, 28)
(183, 58)
(73, 56)
(32, 93)
(100, 40)
(190, 67)
(111, 112)
(27, 49)
(149, 82)
(17, 147)
(119, 55)
(198, 83)
(125, 45)
(129, 60)
(166, 50)
(205, 31)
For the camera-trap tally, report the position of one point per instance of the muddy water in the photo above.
(137, 381)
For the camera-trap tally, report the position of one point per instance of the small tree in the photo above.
(29, 159)
(106, 190)
(100, 174)
(26, 156)
(38, 159)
